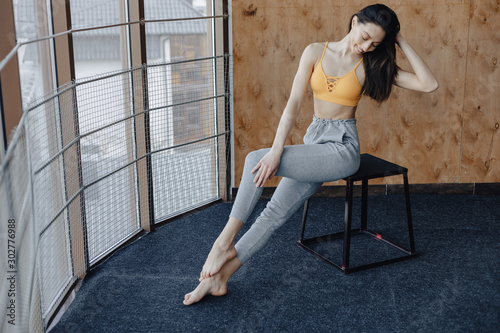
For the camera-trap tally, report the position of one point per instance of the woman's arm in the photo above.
(268, 165)
(423, 79)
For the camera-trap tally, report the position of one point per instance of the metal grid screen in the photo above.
(187, 102)
(72, 180)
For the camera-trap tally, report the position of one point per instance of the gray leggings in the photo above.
(331, 152)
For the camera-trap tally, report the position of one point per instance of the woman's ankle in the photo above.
(224, 243)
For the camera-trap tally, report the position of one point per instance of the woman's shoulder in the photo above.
(315, 47)
(314, 50)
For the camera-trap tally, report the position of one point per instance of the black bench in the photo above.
(371, 167)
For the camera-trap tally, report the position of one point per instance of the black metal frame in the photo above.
(371, 167)
(227, 93)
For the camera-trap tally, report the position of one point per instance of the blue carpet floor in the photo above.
(452, 286)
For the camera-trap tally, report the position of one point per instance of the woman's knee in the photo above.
(254, 157)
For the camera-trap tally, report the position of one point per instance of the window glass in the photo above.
(103, 102)
(97, 52)
(182, 92)
(31, 19)
(35, 64)
(176, 40)
(94, 13)
(102, 50)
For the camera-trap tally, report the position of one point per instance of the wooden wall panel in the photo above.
(268, 40)
(420, 131)
(481, 133)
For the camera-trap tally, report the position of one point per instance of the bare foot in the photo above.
(217, 257)
(214, 286)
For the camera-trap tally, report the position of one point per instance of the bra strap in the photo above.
(324, 50)
(358, 64)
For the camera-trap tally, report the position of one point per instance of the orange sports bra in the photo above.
(344, 90)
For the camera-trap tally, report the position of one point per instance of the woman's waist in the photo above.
(331, 130)
(335, 122)
(328, 110)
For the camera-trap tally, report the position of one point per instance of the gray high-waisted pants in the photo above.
(331, 152)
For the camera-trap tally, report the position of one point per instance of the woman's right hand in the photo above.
(266, 168)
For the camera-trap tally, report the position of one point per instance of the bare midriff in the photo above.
(329, 110)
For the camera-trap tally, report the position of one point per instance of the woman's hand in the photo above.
(266, 168)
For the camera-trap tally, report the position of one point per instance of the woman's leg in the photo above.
(246, 199)
(331, 153)
(305, 168)
(288, 197)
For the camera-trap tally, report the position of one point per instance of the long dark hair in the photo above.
(380, 64)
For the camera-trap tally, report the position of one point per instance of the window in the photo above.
(35, 59)
(121, 130)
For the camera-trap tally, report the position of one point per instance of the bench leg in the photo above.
(304, 218)
(364, 204)
(347, 225)
(408, 213)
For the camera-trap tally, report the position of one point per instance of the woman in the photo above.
(363, 62)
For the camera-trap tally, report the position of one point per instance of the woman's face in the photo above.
(365, 36)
